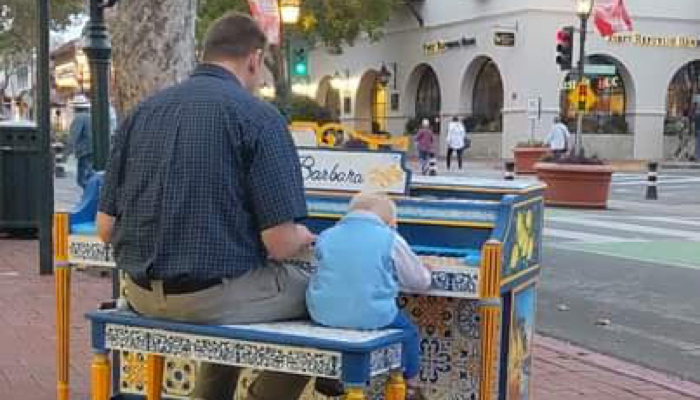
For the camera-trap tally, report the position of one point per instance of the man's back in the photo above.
(186, 205)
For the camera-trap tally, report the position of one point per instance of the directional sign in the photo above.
(599, 69)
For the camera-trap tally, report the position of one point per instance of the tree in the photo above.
(331, 23)
(18, 32)
(153, 46)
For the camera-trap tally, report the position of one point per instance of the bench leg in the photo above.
(100, 377)
(355, 393)
(395, 387)
(154, 382)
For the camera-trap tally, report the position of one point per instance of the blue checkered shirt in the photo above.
(196, 173)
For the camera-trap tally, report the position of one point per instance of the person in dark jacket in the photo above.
(81, 141)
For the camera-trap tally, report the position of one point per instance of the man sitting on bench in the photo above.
(203, 185)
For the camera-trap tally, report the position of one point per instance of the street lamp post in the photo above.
(583, 9)
(290, 11)
(46, 204)
(98, 50)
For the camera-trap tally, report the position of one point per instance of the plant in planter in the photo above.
(527, 154)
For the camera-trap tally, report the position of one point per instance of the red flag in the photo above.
(267, 13)
(611, 17)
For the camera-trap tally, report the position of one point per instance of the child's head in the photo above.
(376, 203)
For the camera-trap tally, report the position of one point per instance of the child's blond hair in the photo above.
(376, 203)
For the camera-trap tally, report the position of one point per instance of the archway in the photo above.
(424, 95)
(329, 97)
(614, 96)
(483, 95)
(681, 109)
(371, 103)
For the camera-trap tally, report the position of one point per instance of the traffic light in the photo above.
(565, 47)
(300, 63)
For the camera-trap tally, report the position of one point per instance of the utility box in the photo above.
(20, 172)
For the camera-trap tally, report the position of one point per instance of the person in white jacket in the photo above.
(558, 138)
(456, 141)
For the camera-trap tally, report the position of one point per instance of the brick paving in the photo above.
(27, 345)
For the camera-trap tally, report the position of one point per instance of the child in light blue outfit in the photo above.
(363, 262)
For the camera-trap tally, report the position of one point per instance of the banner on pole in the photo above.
(267, 13)
(611, 17)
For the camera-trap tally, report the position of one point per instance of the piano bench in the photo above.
(295, 347)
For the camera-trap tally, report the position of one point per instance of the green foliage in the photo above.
(333, 23)
(18, 20)
(302, 108)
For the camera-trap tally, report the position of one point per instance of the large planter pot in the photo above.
(575, 185)
(527, 157)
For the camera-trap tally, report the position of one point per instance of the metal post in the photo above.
(652, 181)
(509, 174)
(45, 181)
(578, 148)
(98, 50)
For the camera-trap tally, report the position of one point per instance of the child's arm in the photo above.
(412, 274)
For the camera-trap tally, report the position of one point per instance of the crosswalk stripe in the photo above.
(670, 220)
(621, 226)
(587, 237)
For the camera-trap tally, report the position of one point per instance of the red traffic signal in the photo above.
(565, 47)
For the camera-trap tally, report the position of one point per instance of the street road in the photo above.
(624, 281)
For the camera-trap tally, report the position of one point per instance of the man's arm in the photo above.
(411, 272)
(286, 240)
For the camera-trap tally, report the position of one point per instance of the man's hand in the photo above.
(286, 240)
(105, 223)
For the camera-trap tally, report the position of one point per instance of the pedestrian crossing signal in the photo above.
(565, 47)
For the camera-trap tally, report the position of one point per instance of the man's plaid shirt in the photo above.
(196, 173)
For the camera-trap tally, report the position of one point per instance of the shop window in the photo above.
(608, 114)
(379, 99)
(487, 100)
(682, 91)
(428, 100)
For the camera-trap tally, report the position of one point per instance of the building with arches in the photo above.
(483, 60)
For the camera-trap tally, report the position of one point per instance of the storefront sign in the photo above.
(600, 83)
(440, 46)
(353, 171)
(505, 39)
(638, 39)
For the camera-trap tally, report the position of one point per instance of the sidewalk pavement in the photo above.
(27, 345)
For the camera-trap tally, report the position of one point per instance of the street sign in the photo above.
(505, 39)
(584, 97)
(534, 108)
(599, 69)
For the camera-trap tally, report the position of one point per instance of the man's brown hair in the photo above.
(233, 36)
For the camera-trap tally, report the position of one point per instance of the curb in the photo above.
(676, 385)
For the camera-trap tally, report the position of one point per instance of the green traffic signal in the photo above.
(300, 63)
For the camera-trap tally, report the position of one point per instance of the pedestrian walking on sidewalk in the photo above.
(558, 138)
(457, 141)
(200, 200)
(80, 139)
(425, 141)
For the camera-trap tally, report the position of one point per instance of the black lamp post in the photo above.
(583, 9)
(45, 185)
(98, 50)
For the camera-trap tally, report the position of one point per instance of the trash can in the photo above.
(20, 171)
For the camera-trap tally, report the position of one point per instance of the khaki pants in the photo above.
(273, 293)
